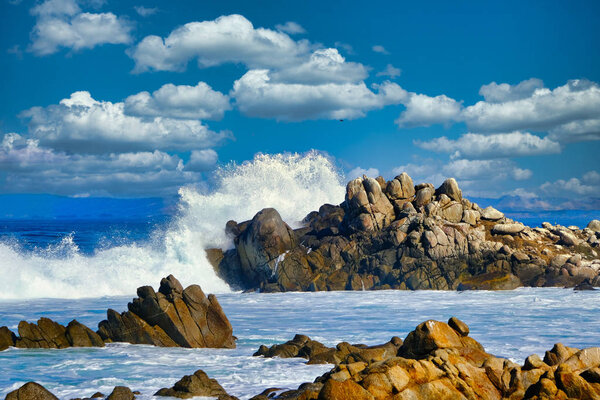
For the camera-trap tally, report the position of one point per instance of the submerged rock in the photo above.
(198, 384)
(172, 317)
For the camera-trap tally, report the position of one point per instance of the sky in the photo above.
(135, 99)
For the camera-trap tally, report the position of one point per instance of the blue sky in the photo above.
(135, 99)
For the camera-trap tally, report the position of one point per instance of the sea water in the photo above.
(78, 269)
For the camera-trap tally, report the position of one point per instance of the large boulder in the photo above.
(401, 187)
(172, 317)
(196, 385)
(450, 189)
(507, 229)
(121, 393)
(367, 207)
(594, 225)
(491, 214)
(31, 391)
(265, 239)
(48, 334)
(80, 335)
(7, 338)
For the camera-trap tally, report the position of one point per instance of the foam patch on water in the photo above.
(293, 184)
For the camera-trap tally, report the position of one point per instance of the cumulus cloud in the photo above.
(502, 145)
(83, 124)
(27, 167)
(202, 160)
(323, 66)
(257, 96)
(179, 101)
(379, 49)
(358, 172)
(422, 110)
(588, 185)
(227, 39)
(61, 23)
(390, 71)
(291, 27)
(500, 93)
(577, 131)
(145, 11)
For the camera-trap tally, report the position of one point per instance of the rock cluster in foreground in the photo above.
(172, 317)
(35, 391)
(399, 235)
(440, 361)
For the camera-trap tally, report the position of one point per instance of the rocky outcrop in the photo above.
(48, 334)
(31, 391)
(396, 235)
(121, 393)
(198, 384)
(171, 317)
(440, 361)
(317, 353)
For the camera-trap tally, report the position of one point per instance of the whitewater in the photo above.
(293, 184)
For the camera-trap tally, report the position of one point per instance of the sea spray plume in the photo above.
(294, 184)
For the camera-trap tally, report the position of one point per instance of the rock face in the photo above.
(31, 391)
(317, 353)
(47, 334)
(172, 317)
(198, 384)
(440, 361)
(7, 338)
(393, 235)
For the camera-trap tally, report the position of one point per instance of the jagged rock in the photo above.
(367, 207)
(172, 317)
(459, 326)
(47, 334)
(260, 244)
(491, 214)
(450, 189)
(594, 225)
(7, 338)
(121, 393)
(31, 391)
(198, 384)
(507, 229)
(80, 335)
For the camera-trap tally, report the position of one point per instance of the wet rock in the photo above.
(31, 391)
(7, 338)
(491, 281)
(198, 384)
(80, 335)
(172, 317)
(121, 393)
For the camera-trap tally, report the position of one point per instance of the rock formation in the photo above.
(198, 384)
(440, 361)
(31, 391)
(172, 317)
(402, 236)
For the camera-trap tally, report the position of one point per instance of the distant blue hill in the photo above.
(44, 206)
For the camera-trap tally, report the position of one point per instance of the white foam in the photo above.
(293, 184)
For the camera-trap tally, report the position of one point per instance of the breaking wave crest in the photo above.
(293, 184)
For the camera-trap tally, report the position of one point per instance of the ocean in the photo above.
(66, 268)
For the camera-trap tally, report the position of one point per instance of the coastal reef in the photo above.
(171, 317)
(397, 235)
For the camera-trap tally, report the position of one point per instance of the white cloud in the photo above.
(227, 39)
(574, 186)
(291, 27)
(501, 145)
(145, 11)
(257, 96)
(390, 71)
(500, 93)
(83, 124)
(358, 172)
(422, 110)
(60, 23)
(323, 66)
(26, 167)
(202, 160)
(577, 131)
(182, 101)
(379, 49)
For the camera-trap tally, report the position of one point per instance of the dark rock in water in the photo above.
(7, 338)
(80, 335)
(198, 384)
(317, 353)
(491, 281)
(262, 242)
(436, 362)
(47, 334)
(121, 393)
(585, 285)
(97, 395)
(172, 317)
(31, 391)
